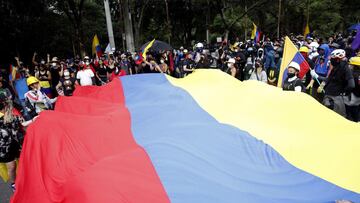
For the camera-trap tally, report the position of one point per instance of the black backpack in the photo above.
(30, 109)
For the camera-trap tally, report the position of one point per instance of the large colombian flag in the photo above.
(205, 138)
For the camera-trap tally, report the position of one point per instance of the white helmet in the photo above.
(313, 46)
(199, 45)
(231, 60)
(294, 65)
(338, 53)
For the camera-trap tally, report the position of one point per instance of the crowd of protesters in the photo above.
(28, 89)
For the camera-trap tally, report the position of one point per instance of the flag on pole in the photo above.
(291, 53)
(147, 48)
(108, 49)
(96, 48)
(307, 30)
(255, 34)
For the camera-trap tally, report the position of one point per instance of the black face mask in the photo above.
(290, 75)
(335, 62)
(257, 65)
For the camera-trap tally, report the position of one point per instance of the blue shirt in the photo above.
(21, 87)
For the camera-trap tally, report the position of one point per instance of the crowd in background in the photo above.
(27, 89)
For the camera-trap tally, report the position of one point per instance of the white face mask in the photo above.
(66, 74)
(53, 64)
(87, 63)
(229, 65)
(161, 61)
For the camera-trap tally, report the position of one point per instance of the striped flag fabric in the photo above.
(255, 34)
(154, 138)
(96, 48)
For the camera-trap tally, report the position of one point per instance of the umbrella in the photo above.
(354, 27)
(157, 46)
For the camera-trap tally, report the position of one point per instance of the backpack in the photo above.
(30, 109)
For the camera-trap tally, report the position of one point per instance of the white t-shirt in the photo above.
(85, 77)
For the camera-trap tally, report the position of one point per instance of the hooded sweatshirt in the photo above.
(322, 66)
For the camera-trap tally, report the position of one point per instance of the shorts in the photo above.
(13, 153)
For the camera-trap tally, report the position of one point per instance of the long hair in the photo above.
(8, 115)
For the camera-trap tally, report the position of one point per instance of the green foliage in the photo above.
(44, 26)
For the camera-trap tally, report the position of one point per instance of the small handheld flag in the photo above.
(307, 30)
(147, 48)
(96, 49)
(255, 34)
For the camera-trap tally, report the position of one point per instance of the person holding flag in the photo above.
(291, 54)
(338, 83)
(292, 82)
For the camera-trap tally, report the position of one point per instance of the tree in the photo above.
(74, 11)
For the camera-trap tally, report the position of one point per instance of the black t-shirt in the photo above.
(338, 79)
(68, 85)
(290, 86)
(356, 75)
(308, 75)
(55, 76)
(101, 71)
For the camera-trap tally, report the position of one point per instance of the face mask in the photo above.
(66, 74)
(229, 65)
(257, 65)
(161, 61)
(53, 64)
(291, 75)
(334, 62)
(87, 63)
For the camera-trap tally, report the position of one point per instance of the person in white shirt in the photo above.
(85, 76)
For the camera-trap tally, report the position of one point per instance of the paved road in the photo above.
(5, 192)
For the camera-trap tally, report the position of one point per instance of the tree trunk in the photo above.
(128, 28)
(168, 21)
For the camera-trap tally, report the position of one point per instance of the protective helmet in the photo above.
(355, 61)
(54, 59)
(86, 58)
(314, 45)
(31, 80)
(338, 53)
(304, 49)
(199, 45)
(231, 60)
(294, 65)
